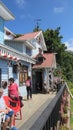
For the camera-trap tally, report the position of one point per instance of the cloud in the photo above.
(58, 9)
(21, 3)
(28, 16)
(69, 44)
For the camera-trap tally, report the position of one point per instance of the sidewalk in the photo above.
(31, 107)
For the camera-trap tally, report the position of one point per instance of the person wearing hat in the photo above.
(9, 114)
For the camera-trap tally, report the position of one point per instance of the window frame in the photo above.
(23, 74)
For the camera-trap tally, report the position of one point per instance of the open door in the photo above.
(39, 81)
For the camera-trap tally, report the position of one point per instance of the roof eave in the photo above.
(9, 31)
(5, 12)
(30, 45)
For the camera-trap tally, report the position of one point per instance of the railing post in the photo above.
(47, 125)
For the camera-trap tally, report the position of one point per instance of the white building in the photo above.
(33, 44)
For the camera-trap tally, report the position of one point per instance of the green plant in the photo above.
(65, 109)
(64, 128)
(71, 90)
(65, 118)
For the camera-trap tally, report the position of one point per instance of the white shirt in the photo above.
(2, 103)
(5, 92)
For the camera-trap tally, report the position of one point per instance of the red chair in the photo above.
(15, 108)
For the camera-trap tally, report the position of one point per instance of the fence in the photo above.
(49, 118)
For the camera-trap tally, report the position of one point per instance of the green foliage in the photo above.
(64, 128)
(36, 29)
(71, 90)
(18, 35)
(71, 119)
(70, 84)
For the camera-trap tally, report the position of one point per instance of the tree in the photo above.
(63, 57)
(54, 44)
(18, 35)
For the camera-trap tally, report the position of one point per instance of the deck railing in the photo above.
(4, 49)
(50, 116)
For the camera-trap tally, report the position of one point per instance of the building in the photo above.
(42, 70)
(13, 63)
(24, 56)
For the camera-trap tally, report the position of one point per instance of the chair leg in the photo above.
(20, 115)
(14, 121)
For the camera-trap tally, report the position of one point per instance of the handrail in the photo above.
(48, 112)
(23, 56)
(49, 117)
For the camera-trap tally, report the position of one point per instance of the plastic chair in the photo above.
(15, 108)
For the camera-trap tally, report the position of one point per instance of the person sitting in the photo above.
(5, 88)
(9, 113)
(13, 92)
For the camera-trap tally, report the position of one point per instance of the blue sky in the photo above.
(53, 13)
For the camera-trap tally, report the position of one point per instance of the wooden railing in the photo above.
(50, 116)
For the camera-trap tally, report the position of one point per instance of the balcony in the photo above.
(10, 53)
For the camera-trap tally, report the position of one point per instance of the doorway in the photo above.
(39, 81)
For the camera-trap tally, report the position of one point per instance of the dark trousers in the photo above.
(29, 92)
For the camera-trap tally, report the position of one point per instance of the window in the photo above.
(39, 59)
(15, 67)
(23, 74)
(28, 51)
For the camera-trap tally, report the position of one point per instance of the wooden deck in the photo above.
(33, 108)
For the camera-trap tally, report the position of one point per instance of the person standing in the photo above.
(13, 91)
(29, 88)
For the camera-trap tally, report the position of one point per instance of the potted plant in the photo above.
(65, 118)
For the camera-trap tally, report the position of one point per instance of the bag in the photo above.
(27, 83)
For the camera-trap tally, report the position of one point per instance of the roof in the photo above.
(28, 36)
(31, 36)
(7, 29)
(5, 12)
(47, 63)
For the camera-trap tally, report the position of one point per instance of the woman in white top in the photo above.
(5, 88)
(9, 114)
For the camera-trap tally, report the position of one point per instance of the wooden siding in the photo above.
(15, 45)
(4, 69)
